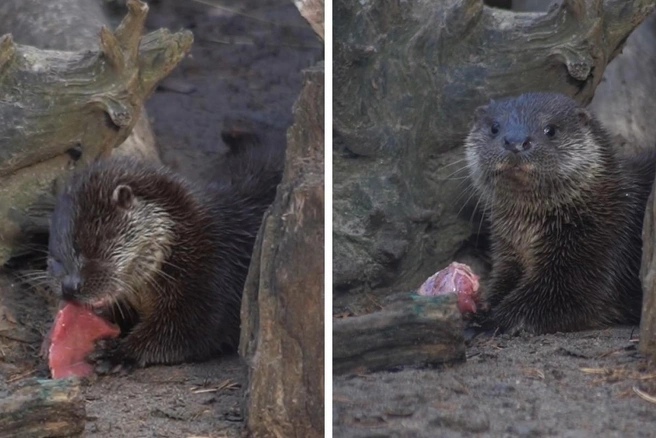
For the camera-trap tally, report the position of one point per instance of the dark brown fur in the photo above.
(565, 214)
(165, 258)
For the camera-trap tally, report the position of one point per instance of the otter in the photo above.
(565, 215)
(164, 258)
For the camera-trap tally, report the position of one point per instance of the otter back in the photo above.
(161, 256)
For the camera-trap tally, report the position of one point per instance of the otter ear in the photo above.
(123, 196)
(584, 116)
(480, 112)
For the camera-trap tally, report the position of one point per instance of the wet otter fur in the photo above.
(163, 257)
(565, 214)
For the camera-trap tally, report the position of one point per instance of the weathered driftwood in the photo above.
(282, 312)
(625, 105)
(43, 408)
(408, 76)
(648, 275)
(55, 100)
(641, 117)
(419, 331)
(623, 102)
(87, 102)
(313, 12)
(52, 26)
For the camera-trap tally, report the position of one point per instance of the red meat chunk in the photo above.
(73, 337)
(456, 278)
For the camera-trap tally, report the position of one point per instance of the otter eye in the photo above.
(550, 130)
(494, 129)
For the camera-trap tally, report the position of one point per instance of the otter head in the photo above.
(108, 239)
(536, 147)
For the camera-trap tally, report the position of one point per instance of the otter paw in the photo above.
(108, 358)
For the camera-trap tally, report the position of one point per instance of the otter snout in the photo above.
(70, 286)
(517, 143)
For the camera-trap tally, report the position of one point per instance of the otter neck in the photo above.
(591, 200)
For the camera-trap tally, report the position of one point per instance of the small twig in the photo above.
(227, 384)
(203, 391)
(21, 376)
(533, 373)
(643, 395)
(595, 370)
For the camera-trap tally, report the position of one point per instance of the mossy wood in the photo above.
(86, 102)
(417, 331)
(43, 408)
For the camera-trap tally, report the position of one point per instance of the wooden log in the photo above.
(419, 331)
(51, 26)
(56, 100)
(88, 101)
(282, 335)
(43, 408)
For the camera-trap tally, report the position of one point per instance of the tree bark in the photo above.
(57, 105)
(52, 26)
(282, 312)
(418, 332)
(313, 12)
(647, 344)
(623, 102)
(408, 76)
(43, 408)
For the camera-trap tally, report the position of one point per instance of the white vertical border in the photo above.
(328, 231)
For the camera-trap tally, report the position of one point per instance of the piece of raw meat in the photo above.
(74, 333)
(457, 278)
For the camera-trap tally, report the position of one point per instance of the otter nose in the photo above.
(516, 144)
(70, 286)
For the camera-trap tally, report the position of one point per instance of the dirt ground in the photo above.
(244, 70)
(565, 385)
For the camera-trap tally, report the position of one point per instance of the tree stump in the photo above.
(408, 76)
(63, 107)
(282, 312)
